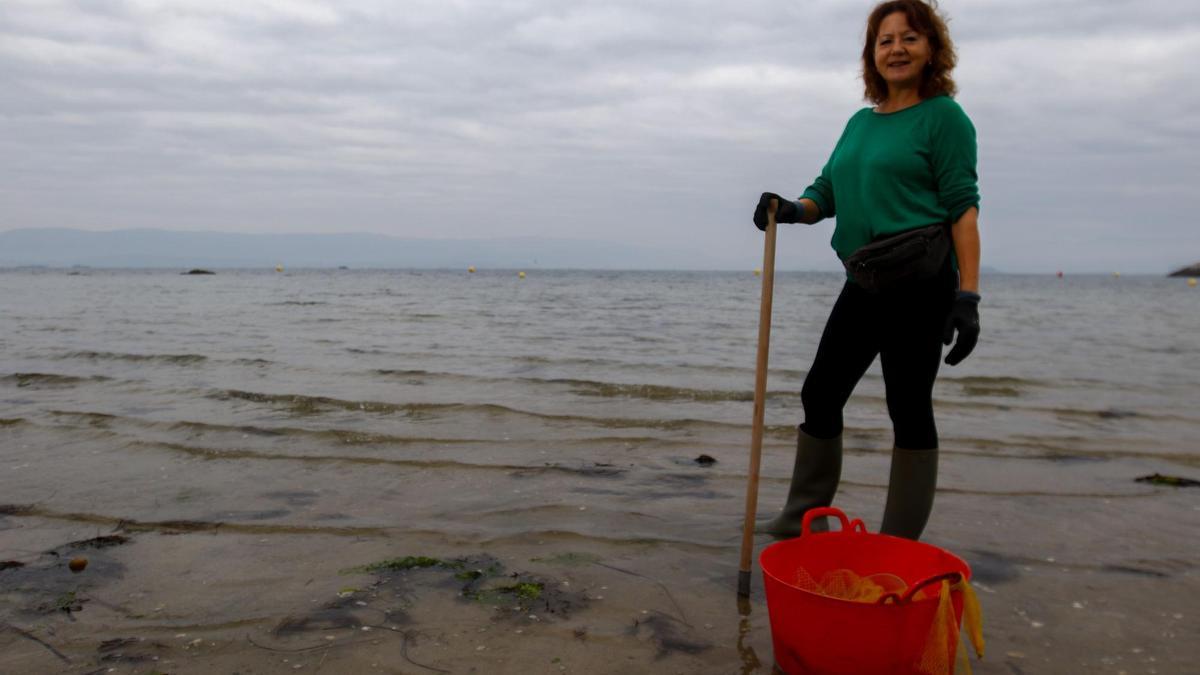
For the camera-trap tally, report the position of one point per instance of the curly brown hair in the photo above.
(924, 18)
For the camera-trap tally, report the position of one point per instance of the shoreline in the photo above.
(182, 597)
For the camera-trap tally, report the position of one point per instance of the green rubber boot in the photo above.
(910, 492)
(815, 479)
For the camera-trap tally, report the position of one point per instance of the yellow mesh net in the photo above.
(844, 584)
(943, 633)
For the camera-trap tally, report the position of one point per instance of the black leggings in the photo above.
(904, 327)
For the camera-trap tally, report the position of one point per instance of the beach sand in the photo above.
(609, 586)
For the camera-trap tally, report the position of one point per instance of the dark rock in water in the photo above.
(326, 619)
(1189, 271)
(1173, 481)
(198, 271)
(115, 644)
(669, 634)
(993, 567)
(706, 460)
(10, 564)
(1135, 571)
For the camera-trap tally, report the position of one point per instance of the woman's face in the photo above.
(901, 53)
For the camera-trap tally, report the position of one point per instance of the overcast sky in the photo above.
(655, 122)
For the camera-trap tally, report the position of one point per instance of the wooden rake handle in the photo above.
(760, 400)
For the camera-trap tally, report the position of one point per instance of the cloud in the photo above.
(657, 122)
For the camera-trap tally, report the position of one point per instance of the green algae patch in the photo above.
(481, 580)
(67, 602)
(406, 563)
(469, 575)
(527, 591)
(522, 594)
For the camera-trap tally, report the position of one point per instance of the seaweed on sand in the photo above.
(481, 579)
(406, 563)
(105, 541)
(1173, 481)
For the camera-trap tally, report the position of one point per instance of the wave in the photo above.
(546, 537)
(252, 362)
(411, 373)
(50, 379)
(325, 436)
(992, 381)
(653, 392)
(975, 389)
(296, 303)
(11, 421)
(184, 526)
(657, 392)
(1097, 414)
(973, 386)
(349, 437)
(657, 367)
(1115, 414)
(299, 404)
(517, 470)
(89, 416)
(338, 436)
(1056, 449)
(600, 389)
(174, 359)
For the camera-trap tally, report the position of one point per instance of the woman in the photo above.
(903, 165)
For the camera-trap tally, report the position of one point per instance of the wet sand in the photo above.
(622, 571)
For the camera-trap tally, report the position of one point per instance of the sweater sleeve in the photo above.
(954, 158)
(821, 192)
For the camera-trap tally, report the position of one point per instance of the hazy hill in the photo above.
(1189, 271)
(165, 248)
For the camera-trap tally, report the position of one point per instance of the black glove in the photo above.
(788, 211)
(964, 316)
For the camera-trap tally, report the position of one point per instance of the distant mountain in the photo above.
(167, 248)
(1189, 271)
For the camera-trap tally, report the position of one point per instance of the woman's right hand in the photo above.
(788, 211)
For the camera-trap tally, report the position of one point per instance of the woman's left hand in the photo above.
(964, 317)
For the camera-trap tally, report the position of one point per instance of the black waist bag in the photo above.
(893, 259)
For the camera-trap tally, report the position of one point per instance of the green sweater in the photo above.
(898, 171)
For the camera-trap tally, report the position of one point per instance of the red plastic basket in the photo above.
(814, 633)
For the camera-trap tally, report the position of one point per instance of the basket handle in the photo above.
(952, 577)
(806, 525)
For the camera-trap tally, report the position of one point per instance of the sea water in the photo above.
(341, 416)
